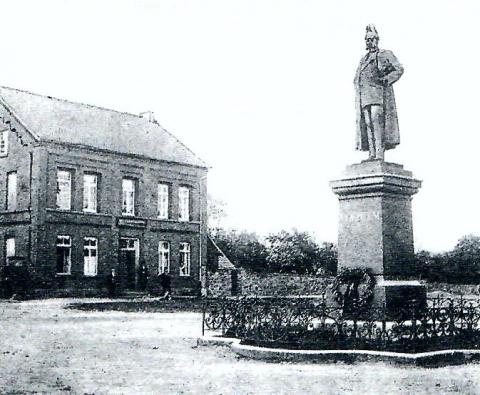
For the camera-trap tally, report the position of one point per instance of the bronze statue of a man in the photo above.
(377, 124)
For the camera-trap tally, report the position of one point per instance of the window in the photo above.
(184, 259)
(184, 204)
(64, 189)
(128, 244)
(12, 191)
(163, 201)
(128, 196)
(163, 257)
(90, 193)
(90, 256)
(64, 254)
(4, 143)
(9, 247)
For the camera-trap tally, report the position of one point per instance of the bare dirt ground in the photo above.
(48, 349)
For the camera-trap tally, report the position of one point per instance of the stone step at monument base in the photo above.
(397, 298)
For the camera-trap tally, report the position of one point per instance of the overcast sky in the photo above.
(263, 92)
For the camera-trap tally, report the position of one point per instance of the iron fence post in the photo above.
(355, 331)
(451, 318)
(203, 317)
(223, 319)
(384, 332)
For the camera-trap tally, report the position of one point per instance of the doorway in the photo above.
(129, 261)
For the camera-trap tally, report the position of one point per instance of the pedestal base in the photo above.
(395, 299)
(376, 231)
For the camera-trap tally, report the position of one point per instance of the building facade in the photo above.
(87, 190)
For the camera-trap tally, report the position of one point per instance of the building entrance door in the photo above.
(129, 261)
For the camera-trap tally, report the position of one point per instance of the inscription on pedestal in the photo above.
(359, 217)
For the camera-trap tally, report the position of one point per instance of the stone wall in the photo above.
(266, 284)
(281, 284)
(219, 283)
(455, 289)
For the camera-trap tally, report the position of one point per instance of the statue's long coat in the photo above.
(389, 66)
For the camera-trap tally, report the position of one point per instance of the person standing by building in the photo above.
(143, 277)
(111, 284)
(166, 283)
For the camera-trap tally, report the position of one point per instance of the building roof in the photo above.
(51, 119)
(223, 262)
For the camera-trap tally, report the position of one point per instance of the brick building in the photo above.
(84, 190)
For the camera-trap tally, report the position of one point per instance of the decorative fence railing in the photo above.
(309, 323)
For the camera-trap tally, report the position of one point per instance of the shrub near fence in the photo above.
(308, 323)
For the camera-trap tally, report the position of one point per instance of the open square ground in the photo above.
(49, 349)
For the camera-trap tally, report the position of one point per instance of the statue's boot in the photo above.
(380, 154)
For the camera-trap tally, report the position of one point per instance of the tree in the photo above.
(242, 248)
(216, 212)
(293, 252)
(423, 264)
(460, 265)
(465, 258)
(328, 258)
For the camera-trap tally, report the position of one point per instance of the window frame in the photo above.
(69, 258)
(11, 198)
(182, 206)
(87, 247)
(7, 255)
(163, 204)
(87, 192)
(185, 252)
(161, 252)
(70, 191)
(125, 211)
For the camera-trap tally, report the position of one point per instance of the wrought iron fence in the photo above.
(310, 323)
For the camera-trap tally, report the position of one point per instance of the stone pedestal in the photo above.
(375, 228)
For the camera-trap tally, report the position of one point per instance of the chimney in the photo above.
(149, 116)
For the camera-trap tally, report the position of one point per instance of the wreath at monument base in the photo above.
(353, 289)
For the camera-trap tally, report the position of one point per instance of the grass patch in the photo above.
(137, 306)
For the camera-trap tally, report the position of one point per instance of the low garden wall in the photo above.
(265, 284)
(281, 284)
(219, 283)
(287, 284)
(455, 289)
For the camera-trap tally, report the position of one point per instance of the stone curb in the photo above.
(432, 358)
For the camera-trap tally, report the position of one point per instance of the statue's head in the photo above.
(371, 38)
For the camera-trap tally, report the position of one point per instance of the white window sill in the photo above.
(63, 274)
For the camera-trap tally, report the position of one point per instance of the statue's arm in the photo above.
(396, 67)
(355, 80)
(357, 73)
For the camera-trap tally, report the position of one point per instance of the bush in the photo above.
(242, 248)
